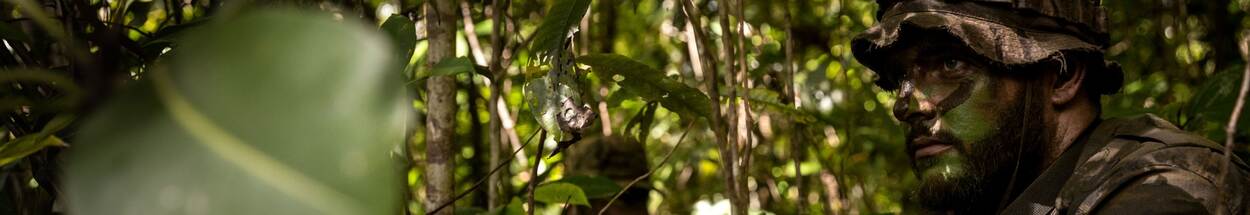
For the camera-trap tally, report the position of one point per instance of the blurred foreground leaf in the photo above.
(277, 111)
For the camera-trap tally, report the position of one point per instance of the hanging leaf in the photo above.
(650, 84)
(559, 193)
(542, 107)
(403, 34)
(274, 111)
(593, 186)
(559, 23)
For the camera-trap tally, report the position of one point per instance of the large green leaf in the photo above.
(538, 97)
(1213, 104)
(560, 193)
(274, 111)
(650, 84)
(558, 24)
(594, 187)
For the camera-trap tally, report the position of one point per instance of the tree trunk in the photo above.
(441, 102)
(497, 144)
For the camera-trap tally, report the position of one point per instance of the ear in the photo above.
(1067, 84)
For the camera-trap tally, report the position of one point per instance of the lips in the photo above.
(925, 147)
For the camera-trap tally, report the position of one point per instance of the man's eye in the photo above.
(954, 68)
(952, 64)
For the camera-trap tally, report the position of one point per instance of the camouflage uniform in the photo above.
(1139, 165)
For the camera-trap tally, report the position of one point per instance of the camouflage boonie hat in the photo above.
(1009, 32)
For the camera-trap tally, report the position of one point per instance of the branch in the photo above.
(1231, 130)
(480, 181)
(538, 157)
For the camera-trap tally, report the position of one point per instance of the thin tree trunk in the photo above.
(715, 120)
(497, 146)
(440, 124)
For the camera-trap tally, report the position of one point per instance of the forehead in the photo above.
(920, 46)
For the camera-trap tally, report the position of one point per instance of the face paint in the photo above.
(984, 122)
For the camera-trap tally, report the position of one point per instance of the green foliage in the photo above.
(513, 208)
(650, 84)
(1212, 105)
(593, 187)
(275, 111)
(9, 32)
(454, 66)
(544, 109)
(403, 34)
(560, 193)
(31, 143)
(560, 22)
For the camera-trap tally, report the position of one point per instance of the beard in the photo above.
(1009, 158)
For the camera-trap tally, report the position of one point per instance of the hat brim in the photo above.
(995, 39)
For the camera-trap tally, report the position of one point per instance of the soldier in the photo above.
(1001, 99)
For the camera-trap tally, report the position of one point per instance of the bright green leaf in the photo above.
(560, 193)
(26, 145)
(594, 186)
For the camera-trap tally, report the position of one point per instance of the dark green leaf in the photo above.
(403, 35)
(10, 32)
(559, 22)
(650, 84)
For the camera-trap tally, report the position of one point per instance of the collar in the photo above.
(1040, 196)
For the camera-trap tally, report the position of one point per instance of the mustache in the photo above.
(917, 131)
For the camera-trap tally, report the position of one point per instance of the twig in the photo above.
(470, 34)
(1231, 130)
(480, 181)
(538, 157)
(657, 166)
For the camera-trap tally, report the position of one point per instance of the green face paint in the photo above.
(968, 119)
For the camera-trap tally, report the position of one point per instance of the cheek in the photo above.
(976, 119)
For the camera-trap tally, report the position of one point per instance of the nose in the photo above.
(910, 109)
